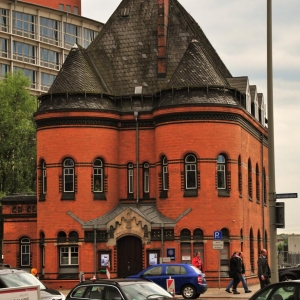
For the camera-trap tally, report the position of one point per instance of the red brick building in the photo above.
(146, 145)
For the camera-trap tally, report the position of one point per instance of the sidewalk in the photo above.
(215, 293)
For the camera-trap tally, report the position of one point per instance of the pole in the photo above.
(272, 188)
(137, 155)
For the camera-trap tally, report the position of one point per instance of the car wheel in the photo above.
(288, 278)
(189, 292)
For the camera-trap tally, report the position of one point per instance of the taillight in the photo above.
(199, 279)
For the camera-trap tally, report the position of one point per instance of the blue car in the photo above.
(189, 281)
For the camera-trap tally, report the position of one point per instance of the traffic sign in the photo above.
(218, 245)
(171, 286)
(286, 196)
(217, 235)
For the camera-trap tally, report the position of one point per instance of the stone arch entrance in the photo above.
(129, 256)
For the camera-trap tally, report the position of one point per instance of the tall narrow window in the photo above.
(130, 180)
(165, 174)
(249, 179)
(68, 174)
(25, 252)
(164, 178)
(240, 178)
(98, 176)
(190, 172)
(146, 180)
(257, 184)
(44, 178)
(221, 172)
(265, 187)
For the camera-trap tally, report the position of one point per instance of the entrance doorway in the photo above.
(129, 252)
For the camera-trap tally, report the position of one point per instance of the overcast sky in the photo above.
(237, 30)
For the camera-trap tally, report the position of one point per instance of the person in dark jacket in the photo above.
(264, 272)
(235, 271)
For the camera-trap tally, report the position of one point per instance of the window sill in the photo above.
(99, 196)
(190, 193)
(223, 193)
(68, 196)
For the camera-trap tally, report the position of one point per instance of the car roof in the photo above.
(4, 270)
(116, 282)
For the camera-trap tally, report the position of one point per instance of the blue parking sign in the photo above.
(217, 235)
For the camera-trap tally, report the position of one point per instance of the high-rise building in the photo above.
(36, 39)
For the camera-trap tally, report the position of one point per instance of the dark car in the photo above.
(118, 289)
(285, 290)
(189, 281)
(10, 277)
(289, 273)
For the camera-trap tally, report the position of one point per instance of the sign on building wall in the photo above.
(171, 253)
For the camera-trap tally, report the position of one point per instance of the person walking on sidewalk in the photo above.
(235, 272)
(197, 262)
(264, 272)
(242, 277)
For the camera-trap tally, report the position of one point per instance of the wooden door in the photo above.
(129, 251)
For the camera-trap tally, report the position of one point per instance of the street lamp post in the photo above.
(272, 188)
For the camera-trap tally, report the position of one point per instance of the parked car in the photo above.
(118, 289)
(285, 290)
(189, 281)
(11, 277)
(289, 273)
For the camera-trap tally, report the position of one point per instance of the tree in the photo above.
(17, 135)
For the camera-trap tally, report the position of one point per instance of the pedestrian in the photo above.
(234, 272)
(197, 262)
(242, 277)
(264, 272)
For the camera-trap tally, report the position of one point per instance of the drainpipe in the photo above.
(263, 191)
(95, 251)
(162, 241)
(136, 113)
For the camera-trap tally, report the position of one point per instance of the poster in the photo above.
(171, 253)
(152, 259)
(104, 260)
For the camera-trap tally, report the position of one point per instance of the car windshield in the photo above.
(144, 290)
(20, 279)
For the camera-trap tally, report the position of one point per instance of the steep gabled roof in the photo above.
(239, 83)
(77, 74)
(125, 53)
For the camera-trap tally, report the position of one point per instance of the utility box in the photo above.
(280, 215)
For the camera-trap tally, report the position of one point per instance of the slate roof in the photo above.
(240, 83)
(125, 53)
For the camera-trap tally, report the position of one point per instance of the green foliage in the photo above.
(17, 135)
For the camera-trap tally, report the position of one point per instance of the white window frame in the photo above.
(190, 165)
(68, 256)
(221, 172)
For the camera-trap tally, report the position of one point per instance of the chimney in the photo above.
(163, 22)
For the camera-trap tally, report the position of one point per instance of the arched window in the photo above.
(98, 176)
(249, 179)
(185, 235)
(25, 252)
(257, 184)
(68, 176)
(61, 237)
(130, 182)
(190, 168)
(221, 172)
(73, 237)
(146, 181)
